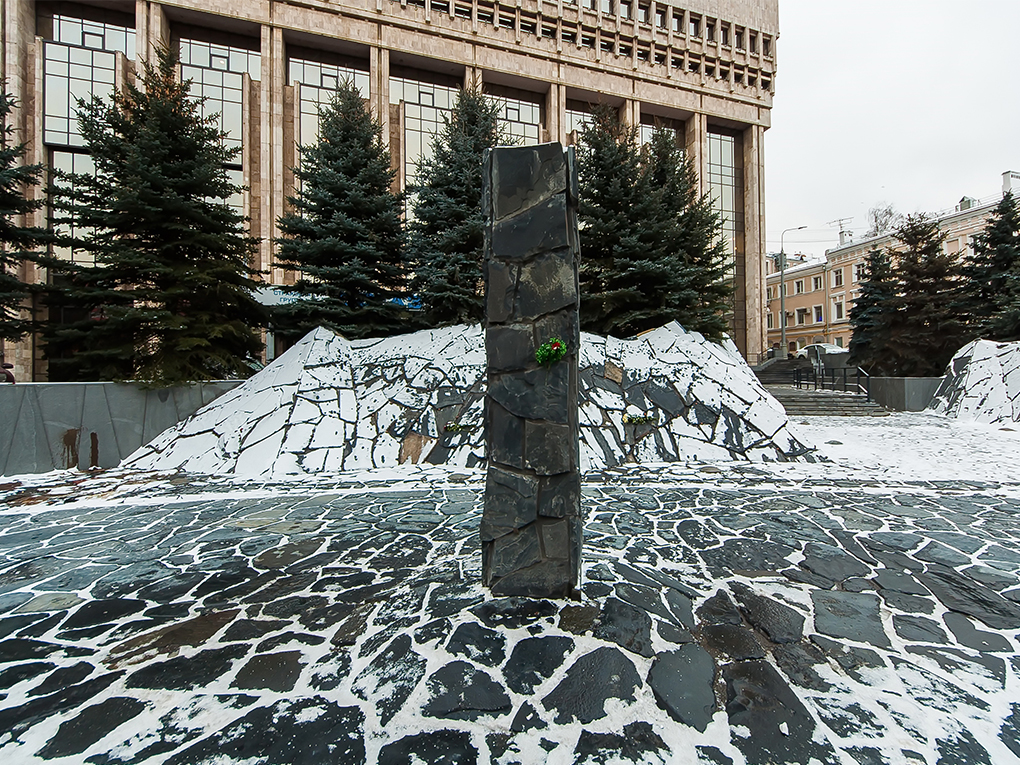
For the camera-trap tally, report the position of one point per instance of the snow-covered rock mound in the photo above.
(330, 404)
(982, 384)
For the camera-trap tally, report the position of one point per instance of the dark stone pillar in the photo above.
(531, 525)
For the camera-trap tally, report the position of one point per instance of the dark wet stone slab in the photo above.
(443, 747)
(899, 581)
(478, 643)
(23, 649)
(681, 607)
(398, 669)
(16, 720)
(758, 699)
(186, 672)
(779, 622)
(450, 599)
(603, 674)
(353, 625)
(732, 642)
(962, 748)
(63, 677)
(682, 683)
(169, 640)
(673, 634)
(797, 660)
(627, 626)
(90, 725)
(637, 743)
(746, 556)
(512, 613)
(720, 609)
(270, 671)
(306, 731)
(527, 718)
(956, 662)
(12, 624)
(463, 692)
(1009, 733)
(578, 619)
(918, 628)
(961, 593)
(847, 719)
(534, 660)
(20, 672)
(933, 552)
(713, 755)
(330, 671)
(852, 615)
(980, 640)
(851, 658)
(645, 598)
(912, 604)
(832, 562)
(437, 629)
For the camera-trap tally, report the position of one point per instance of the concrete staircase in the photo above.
(778, 377)
(805, 402)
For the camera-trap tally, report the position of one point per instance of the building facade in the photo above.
(819, 294)
(705, 67)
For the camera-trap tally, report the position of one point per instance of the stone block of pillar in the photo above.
(532, 528)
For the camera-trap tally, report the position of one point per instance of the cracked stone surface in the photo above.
(982, 384)
(329, 404)
(342, 619)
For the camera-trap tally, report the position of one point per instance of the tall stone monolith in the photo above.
(532, 527)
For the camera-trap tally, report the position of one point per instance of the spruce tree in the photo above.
(926, 330)
(698, 289)
(623, 226)
(988, 293)
(871, 315)
(446, 235)
(345, 235)
(18, 243)
(170, 296)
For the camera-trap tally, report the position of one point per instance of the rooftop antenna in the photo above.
(845, 235)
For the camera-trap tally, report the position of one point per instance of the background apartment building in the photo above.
(819, 294)
(704, 67)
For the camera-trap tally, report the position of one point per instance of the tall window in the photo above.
(837, 277)
(816, 282)
(318, 82)
(217, 73)
(577, 120)
(425, 105)
(79, 61)
(726, 183)
(818, 314)
(520, 120)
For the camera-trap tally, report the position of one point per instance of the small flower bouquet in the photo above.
(639, 419)
(550, 352)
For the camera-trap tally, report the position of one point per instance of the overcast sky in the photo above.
(910, 102)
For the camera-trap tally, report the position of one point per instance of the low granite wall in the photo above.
(58, 426)
(904, 394)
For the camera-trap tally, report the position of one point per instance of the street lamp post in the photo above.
(782, 291)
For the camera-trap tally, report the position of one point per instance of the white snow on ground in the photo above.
(913, 446)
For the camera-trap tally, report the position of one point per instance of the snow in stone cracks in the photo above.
(329, 404)
(982, 384)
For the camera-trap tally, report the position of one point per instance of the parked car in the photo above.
(820, 349)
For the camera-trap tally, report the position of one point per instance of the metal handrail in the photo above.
(836, 380)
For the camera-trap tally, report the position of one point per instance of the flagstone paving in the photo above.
(730, 615)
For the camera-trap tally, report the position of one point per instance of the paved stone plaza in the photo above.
(731, 614)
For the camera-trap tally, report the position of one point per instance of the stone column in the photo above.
(531, 525)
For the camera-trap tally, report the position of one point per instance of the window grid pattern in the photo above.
(216, 72)
(520, 121)
(577, 120)
(318, 83)
(425, 107)
(80, 164)
(78, 62)
(726, 184)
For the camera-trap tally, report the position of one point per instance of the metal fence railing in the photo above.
(842, 379)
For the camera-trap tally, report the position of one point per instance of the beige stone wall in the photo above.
(650, 71)
(848, 261)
